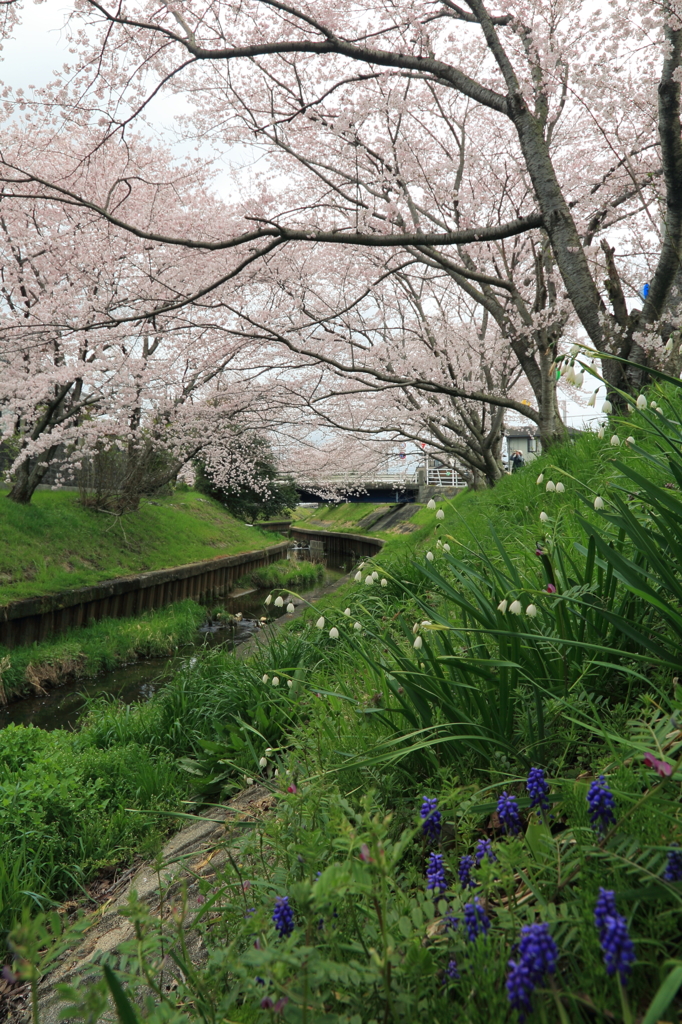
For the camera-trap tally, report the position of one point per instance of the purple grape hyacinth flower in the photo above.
(538, 789)
(508, 813)
(603, 908)
(283, 917)
(435, 873)
(538, 955)
(464, 870)
(431, 819)
(475, 920)
(673, 869)
(619, 949)
(452, 971)
(601, 802)
(484, 849)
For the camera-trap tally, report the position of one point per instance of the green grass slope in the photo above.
(54, 543)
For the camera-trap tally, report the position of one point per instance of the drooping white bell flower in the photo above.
(515, 607)
(268, 751)
(334, 633)
(275, 682)
(574, 349)
(607, 408)
(290, 608)
(654, 405)
(439, 544)
(417, 643)
(544, 518)
(540, 478)
(279, 602)
(415, 628)
(446, 547)
(263, 763)
(248, 780)
(600, 433)
(290, 683)
(356, 625)
(347, 612)
(320, 622)
(531, 610)
(384, 583)
(630, 440)
(276, 772)
(429, 556)
(431, 504)
(369, 580)
(641, 402)
(502, 606)
(578, 378)
(669, 345)
(615, 440)
(598, 503)
(592, 400)
(427, 622)
(560, 488)
(375, 575)
(362, 565)
(358, 576)
(268, 599)
(440, 514)
(550, 486)
(265, 678)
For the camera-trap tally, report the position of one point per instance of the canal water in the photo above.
(138, 681)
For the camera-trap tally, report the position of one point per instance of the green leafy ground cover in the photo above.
(54, 543)
(342, 906)
(287, 573)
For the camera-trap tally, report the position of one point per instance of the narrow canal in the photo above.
(138, 681)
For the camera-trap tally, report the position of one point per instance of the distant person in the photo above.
(505, 460)
(517, 461)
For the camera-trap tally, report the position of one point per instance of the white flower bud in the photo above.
(248, 780)
(598, 503)
(356, 625)
(290, 683)
(669, 345)
(358, 576)
(592, 400)
(276, 772)
(446, 547)
(607, 408)
(550, 486)
(615, 440)
(600, 433)
(573, 351)
(265, 678)
(440, 514)
(630, 440)
(268, 599)
(384, 583)
(502, 606)
(347, 612)
(515, 607)
(531, 610)
(320, 622)
(417, 643)
(279, 601)
(369, 580)
(290, 608)
(415, 628)
(263, 763)
(544, 518)
(429, 556)
(439, 544)
(334, 633)
(540, 478)
(654, 405)
(431, 504)
(560, 488)
(641, 402)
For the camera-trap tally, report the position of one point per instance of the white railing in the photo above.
(444, 478)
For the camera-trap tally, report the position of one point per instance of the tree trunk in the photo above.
(26, 479)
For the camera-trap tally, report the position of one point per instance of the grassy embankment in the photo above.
(577, 684)
(54, 544)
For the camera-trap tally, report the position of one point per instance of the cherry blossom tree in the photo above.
(585, 103)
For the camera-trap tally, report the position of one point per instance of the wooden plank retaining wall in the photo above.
(339, 545)
(35, 618)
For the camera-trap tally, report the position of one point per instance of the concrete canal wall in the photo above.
(35, 618)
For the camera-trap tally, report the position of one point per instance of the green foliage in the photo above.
(265, 497)
(84, 652)
(54, 543)
(288, 574)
